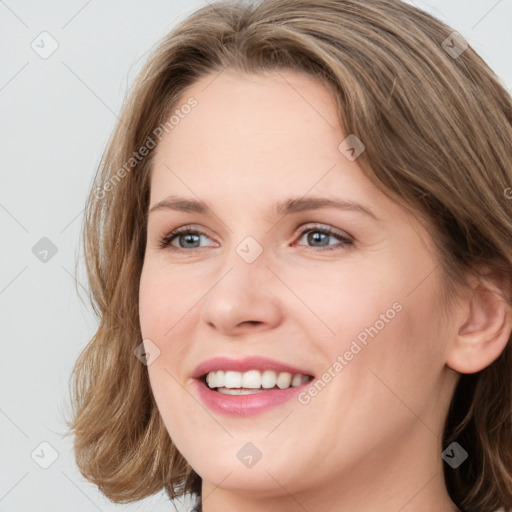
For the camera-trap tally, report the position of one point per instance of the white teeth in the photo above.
(232, 380)
(268, 379)
(227, 391)
(220, 378)
(240, 383)
(251, 379)
(296, 381)
(284, 380)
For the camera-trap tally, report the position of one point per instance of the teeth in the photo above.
(227, 391)
(220, 378)
(241, 383)
(297, 380)
(233, 380)
(268, 379)
(284, 380)
(251, 379)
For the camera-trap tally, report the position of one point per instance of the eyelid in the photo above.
(326, 228)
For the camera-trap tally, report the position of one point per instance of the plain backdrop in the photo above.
(57, 114)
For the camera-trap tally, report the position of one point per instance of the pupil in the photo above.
(189, 237)
(315, 236)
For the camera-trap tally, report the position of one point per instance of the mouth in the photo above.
(253, 385)
(254, 381)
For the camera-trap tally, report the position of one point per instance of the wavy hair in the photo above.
(437, 127)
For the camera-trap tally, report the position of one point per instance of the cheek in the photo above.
(403, 355)
(149, 297)
(386, 319)
(161, 301)
(351, 302)
(165, 318)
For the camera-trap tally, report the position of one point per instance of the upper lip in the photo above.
(245, 364)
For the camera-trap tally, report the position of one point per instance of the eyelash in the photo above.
(165, 242)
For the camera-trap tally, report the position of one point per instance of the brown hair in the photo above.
(438, 134)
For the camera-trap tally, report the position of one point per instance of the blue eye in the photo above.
(321, 236)
(185, 233)
(188, 237)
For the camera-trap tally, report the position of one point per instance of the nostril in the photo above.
(251, 322)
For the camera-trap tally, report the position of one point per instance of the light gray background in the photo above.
(57, 115)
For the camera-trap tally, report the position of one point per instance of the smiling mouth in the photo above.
(253, 381)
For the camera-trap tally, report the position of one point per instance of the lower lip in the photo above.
(245, 405)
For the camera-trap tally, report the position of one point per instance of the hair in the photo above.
(437, 131)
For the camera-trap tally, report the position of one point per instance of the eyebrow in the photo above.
(293, 205)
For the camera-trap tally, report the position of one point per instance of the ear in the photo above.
(484, 323)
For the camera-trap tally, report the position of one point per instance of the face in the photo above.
(321, 322)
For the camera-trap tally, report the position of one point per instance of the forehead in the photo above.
(262, 111)
(259, 127)
(259, 138)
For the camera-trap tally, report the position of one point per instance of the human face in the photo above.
(360, 317)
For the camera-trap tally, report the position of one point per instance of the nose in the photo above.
(244, 299)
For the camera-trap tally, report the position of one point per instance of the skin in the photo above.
(371, 439)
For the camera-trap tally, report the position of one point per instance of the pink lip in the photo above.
(244, 405)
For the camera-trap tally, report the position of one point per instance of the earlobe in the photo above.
(483, 330)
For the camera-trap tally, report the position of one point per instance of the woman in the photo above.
(298, 245)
